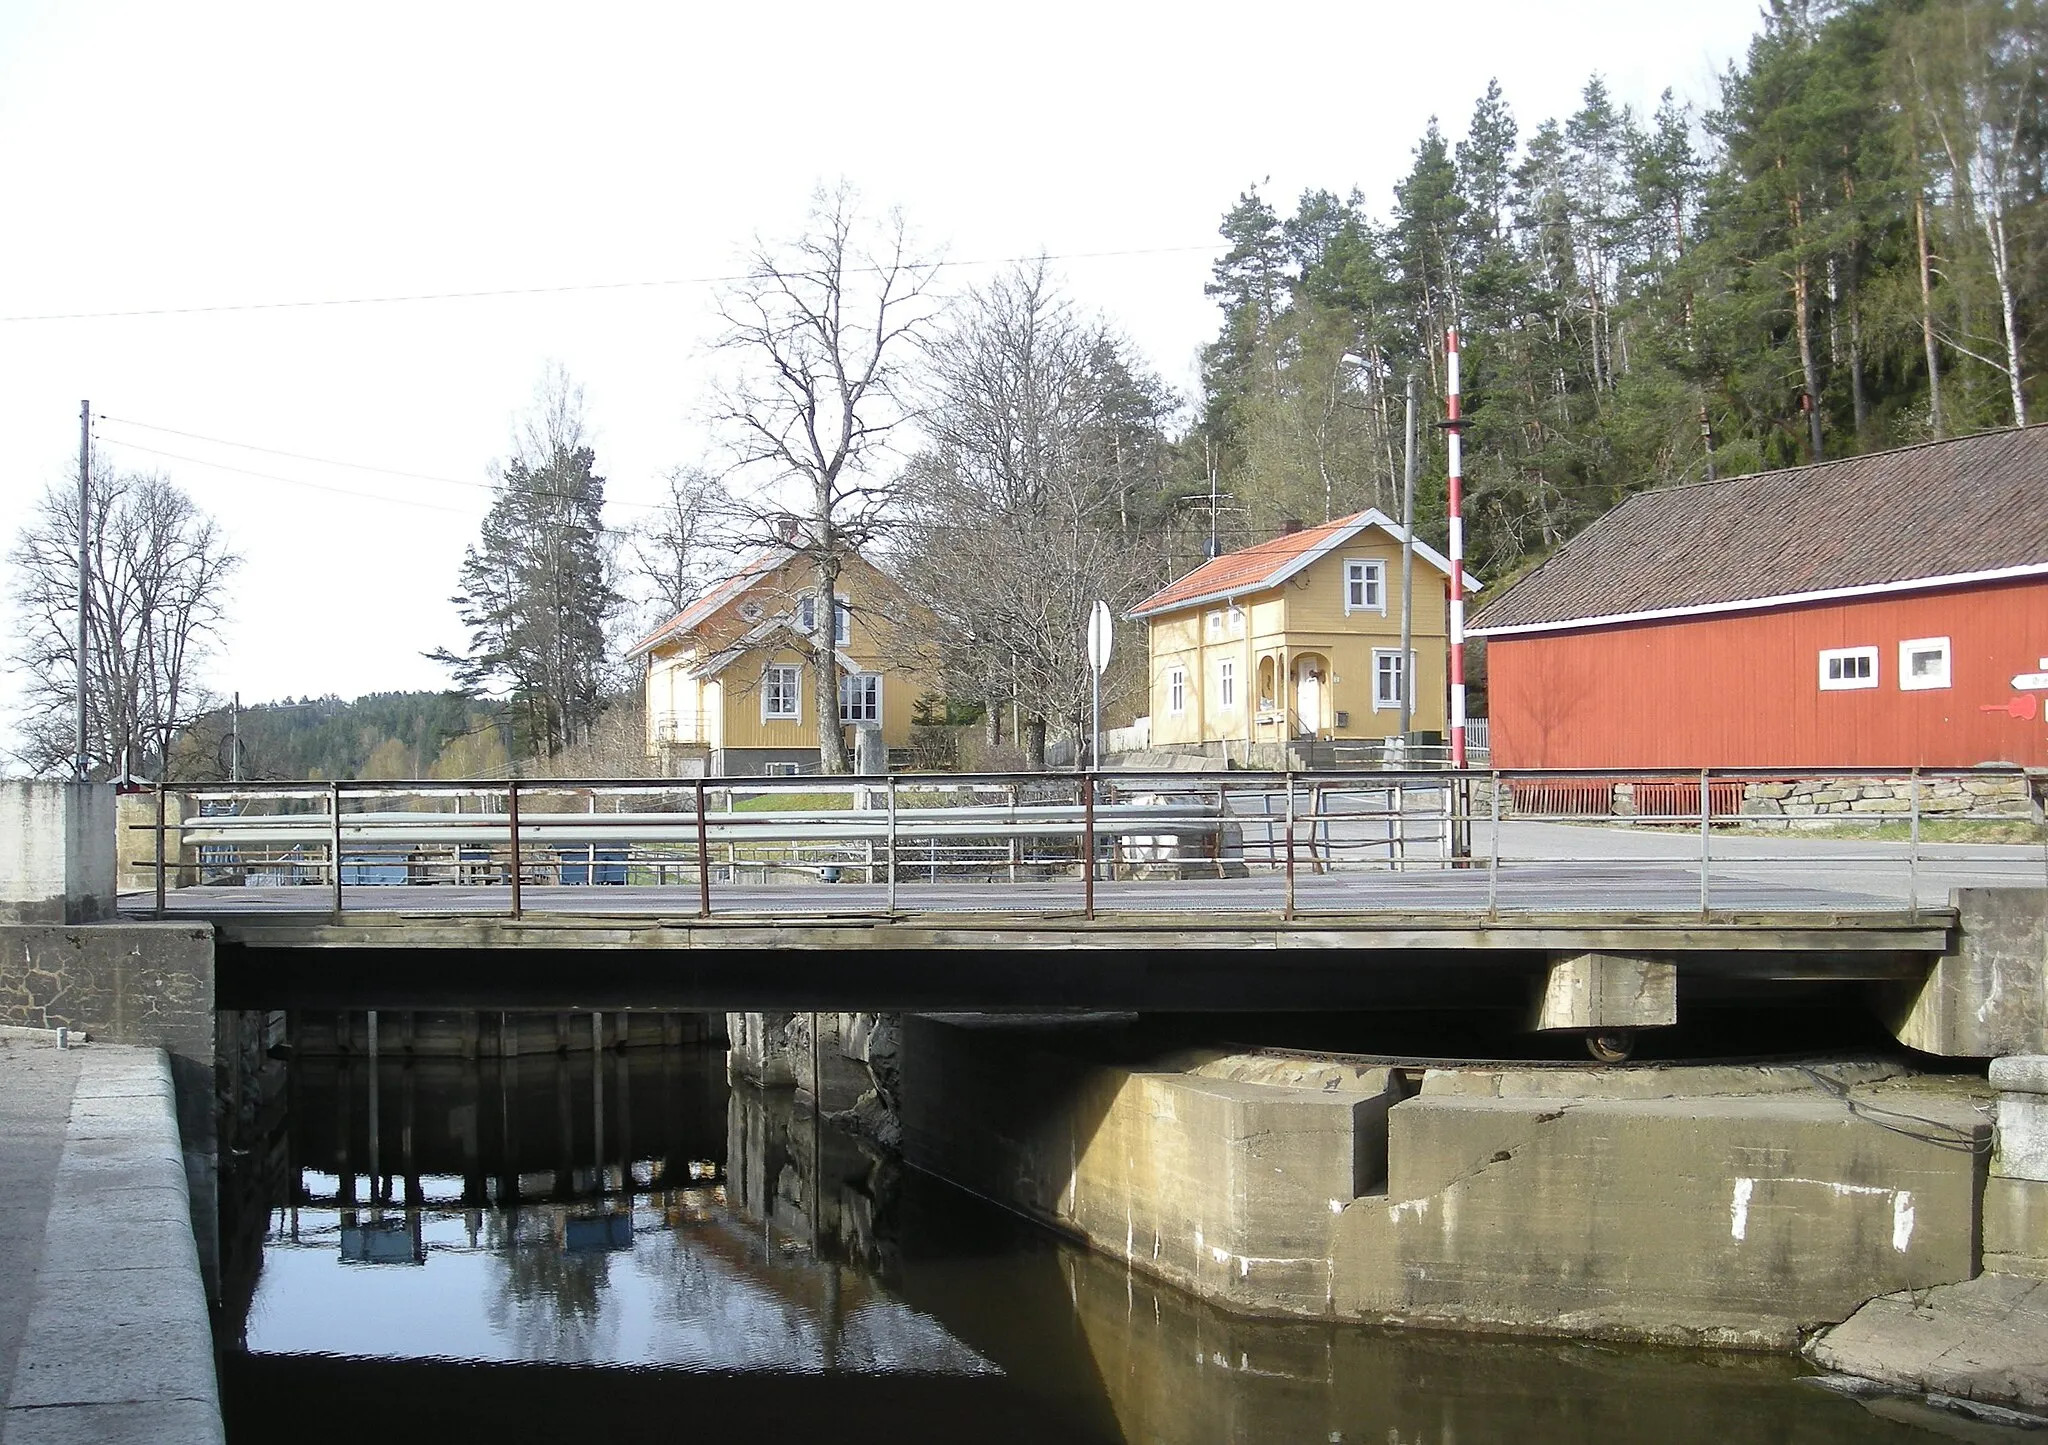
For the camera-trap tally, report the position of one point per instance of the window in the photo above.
(1843, 669)
(1224, 622)
(781, 696)
(1923, 664)
(1388, 678)
(807, 619)
(781, 770)
(1176, 690)
(1365, 586)
(860, 697)
(1226, 684)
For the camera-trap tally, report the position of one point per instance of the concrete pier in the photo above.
(1728, 1206)
(104, 1333)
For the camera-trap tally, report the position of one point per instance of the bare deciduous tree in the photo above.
(676, 552)
(1018, 513)
(821, 328)
(159, 588)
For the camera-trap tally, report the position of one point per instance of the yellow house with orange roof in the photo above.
(1299, 637)
(728, 680)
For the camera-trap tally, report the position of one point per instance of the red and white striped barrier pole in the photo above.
(1454, 428)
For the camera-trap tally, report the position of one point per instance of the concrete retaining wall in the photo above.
(147, 984)
(56, 851)
(1734, 1207)
(118, 1344)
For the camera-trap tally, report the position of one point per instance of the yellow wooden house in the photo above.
(729, 687)
(1298, 638)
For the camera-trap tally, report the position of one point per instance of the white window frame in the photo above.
(807, 619)
(871, 683)
(1381, 703)
(769, 691)
(1846, 654)
(1176, 691)
(1910, 683)
(1226, 684)
(1369, 576)
(1212, 625)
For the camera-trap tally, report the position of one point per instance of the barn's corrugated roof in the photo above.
(1951, 509)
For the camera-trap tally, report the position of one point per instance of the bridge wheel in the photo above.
(1612, 1047)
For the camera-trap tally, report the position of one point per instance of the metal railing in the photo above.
(1480, 841)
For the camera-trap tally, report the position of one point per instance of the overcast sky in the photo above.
(218, 159)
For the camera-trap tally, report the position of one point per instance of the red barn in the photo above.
(1881, 610)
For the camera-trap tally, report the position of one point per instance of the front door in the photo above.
(1308, 695)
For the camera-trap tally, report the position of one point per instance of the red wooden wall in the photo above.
(1742, 690)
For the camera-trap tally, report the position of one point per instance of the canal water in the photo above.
(616, 1244)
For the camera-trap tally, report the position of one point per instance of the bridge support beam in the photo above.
(1587, 991)
(768, 1049)
(1988, 995)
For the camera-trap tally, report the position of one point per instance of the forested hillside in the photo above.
(380, 735)
(1844, 254)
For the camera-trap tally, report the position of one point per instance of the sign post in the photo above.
(1098, 663)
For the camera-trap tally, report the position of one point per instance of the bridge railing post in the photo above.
(1706, 839)
(1287, 906)
(1913, 844)
(160, 835)
(1493, 853)
(889, 845)
(1088, 845)
(703, 857)
(512, 831)
(334, 842)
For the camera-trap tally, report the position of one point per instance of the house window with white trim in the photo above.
(1176, 690)
(1389, 678)
(1365, 586)
(807, 618)
(1845, 669)
(1226, 683)
(1923, 664)
(860, 697)
(1224, 622)
(781, 693)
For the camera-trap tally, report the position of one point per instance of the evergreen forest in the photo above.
(1843, 254)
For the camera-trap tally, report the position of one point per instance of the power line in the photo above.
(511, 292)
(297, 482)
(330, 462)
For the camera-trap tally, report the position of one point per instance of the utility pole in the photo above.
(82, 763)
(1408, 564)
(235, 739)
(1454, 425)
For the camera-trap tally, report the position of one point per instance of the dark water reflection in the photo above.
(613, 1243)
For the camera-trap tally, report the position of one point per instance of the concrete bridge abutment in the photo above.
(1700, 1205)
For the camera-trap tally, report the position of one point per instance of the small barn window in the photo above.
(1364, 587)
(1923, 664)
(1843, 669)
(1176, 690)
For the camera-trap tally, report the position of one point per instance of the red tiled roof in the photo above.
(1949, 509)
(704, 608)
(1268, 564)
